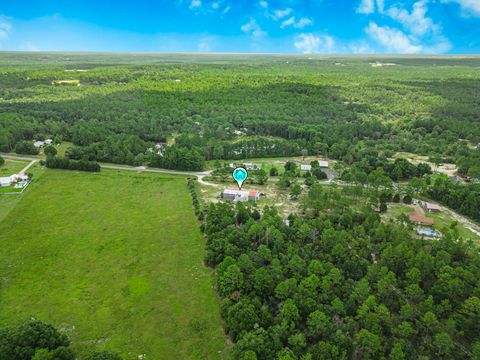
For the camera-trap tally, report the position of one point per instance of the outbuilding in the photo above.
(305, 167)
(432, 207)
(5, 181)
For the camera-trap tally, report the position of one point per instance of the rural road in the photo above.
(160, 171)
(119, 167)
(199, 174)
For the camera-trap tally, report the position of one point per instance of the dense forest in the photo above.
(342, 285)
(235, 107)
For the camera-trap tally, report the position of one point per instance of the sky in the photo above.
(242, 26)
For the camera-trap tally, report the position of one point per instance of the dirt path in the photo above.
(469, 224)
(24, 170)
(206, 183)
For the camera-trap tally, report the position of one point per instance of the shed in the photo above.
(5, 181)
(432, 207)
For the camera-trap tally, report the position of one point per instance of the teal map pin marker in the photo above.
(240, 175)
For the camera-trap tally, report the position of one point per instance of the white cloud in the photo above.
(281, 13)
(380, 5)
(469, 7)
(226, 10)
(309, 43)
(253, 29)
(5, 27)
(419, 33)
(288, 22)
(366, 7)
(369, 6)
(303, 22)
(195, 4)
(416, 22)
(393, 40)
(215, 5)
(263, 4)
(300, 24)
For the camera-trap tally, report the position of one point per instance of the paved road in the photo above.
(22, 157)
(159, 171)
(119, 167)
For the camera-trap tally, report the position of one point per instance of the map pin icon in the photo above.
(240, 175)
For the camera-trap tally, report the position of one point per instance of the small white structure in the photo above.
(305, 167)
(323, 164)
(250, 166)
(21, 184)
(240, 195)
(18, 177)
(432, 207)
(5, 181)
(48, 142)
(38, 144)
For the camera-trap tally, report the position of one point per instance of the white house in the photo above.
(240, 195)
(323, 163)
(304, 167)
(48, 142)
(38, 144)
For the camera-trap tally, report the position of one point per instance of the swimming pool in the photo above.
(426, 232)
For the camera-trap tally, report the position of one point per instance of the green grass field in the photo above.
(114, 260)
(12, 167)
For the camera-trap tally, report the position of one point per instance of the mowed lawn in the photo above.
(12, 167)
(113, 259)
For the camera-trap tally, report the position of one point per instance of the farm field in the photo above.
(114, 260)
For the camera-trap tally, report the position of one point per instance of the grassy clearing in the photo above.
(12, 167)
(63, 147)
(115, 260)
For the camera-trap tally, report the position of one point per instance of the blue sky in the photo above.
(260, 26)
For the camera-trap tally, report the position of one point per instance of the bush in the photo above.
(50, 150)
(407, 199)
(2, 161)
(26, 147)
(319, 174)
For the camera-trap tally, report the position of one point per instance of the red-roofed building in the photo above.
(240, 195)
(253, 195)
